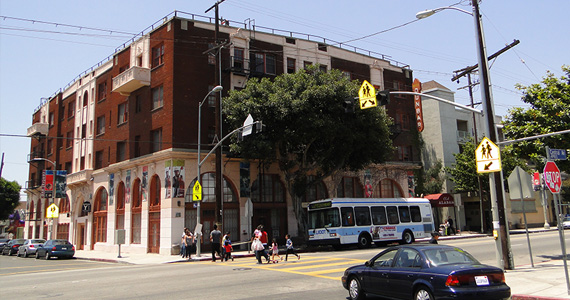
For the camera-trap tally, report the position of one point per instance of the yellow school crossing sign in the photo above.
(197, 192)
(367, 95)
(488, 157)
(52, 211)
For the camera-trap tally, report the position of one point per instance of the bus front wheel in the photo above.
(364, 241)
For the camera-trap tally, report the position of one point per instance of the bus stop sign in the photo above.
(552, 177)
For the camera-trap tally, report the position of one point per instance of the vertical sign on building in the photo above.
(111, 188)
(144, 185)
(167, 181)
(128, 187)
(417, 88)
(178, 178)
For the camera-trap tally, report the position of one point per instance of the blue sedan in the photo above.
(425, 272)
(55, 248)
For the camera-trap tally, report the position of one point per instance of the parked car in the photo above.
(12, 246)
(55, 248)
(566, 222)
(427, 272)
(3, 241)
(30, 247)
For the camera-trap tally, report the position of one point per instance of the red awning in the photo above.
(441, 200)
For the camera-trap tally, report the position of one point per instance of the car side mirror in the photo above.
(367, 263)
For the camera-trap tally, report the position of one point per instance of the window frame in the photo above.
(157, 97)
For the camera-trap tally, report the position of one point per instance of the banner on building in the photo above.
(167, 181)
(417, 88)
(244, 179)
(54, 181)
(178, 178)
(144, 184)
(111, 188)
(128, 187)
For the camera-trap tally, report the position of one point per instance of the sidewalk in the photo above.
(546, 281)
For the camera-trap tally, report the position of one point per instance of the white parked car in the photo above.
(566, 222)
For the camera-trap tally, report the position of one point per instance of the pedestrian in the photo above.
(450, 228)
(263, 238)
(290, 248)
(259, 250)
(216, 239)
(188, 242)
(227, 244)
(275, 251)
(434, 237)
(183, 243)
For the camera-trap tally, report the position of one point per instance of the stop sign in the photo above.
(552, 177)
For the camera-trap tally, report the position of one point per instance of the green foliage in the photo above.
(9, 197)
(306, 130)
(430, 181)
(549, 112)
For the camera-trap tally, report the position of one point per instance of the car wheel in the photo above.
(355, 290)
(364, 241)
(9, 252)
(423, 293)
(47, 256)
(407, 237)
(37, 255)
(25, 253)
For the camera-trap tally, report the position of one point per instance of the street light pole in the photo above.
(199, 163)
(504, 258)
(53, 189)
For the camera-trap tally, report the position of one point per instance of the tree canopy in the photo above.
(306, 129)
(9, 197)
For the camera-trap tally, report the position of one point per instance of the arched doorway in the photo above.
(154, 215)
(120, 207)
(136, 205)
(100, 217)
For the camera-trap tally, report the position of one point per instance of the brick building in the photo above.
(126, 133)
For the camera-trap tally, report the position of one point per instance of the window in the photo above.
(211, 56)
(290, 41)
(415, 213)
(157, 56)
(347, 74)
(379, 215)
(390, 189)
(322, 47)
(121, 151)
(404, 153)
(69, 139)
(212, 97)
(137, 146)
(100, 125)
(157, 97)
(123, 113)
(136, 213)
(71, 109)
(291, 62)
(263, 63)
(138, 104)
(102, 91)
(64, 205)
(268, 189)
(238, 58)
(362, 216)
(392, 215)
(156, 144)
(350, 187)
(99, 159)
(347, 216)
(316, 191)
(100, 216)
(85, 99)
(323, 68)
(404, 212)
(50, 146)
(306, 64)
(208, 189)
(51, 119)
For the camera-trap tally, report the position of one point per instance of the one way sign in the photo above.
(488, 157)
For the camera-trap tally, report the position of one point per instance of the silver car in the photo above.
(30, 247)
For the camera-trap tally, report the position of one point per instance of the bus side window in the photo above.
(362, 216)
(379, 215)
(392, 215)
(347, 216)
(415, 212)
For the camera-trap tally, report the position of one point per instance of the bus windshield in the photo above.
(324, 218)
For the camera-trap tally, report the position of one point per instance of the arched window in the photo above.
(390, 189)
(120, 206)
(100, 216)
(85, 99)
(268, 189)
(316, 191)
(208, 189)
(154, 191)
(64, 205)
(136, 204)
(350, 187)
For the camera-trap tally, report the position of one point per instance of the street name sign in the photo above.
(552, 177)
(557, 154)
(488, 157)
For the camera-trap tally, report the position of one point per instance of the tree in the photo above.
(307, 131)
(430, 181)
(549, 112)
(9, 197)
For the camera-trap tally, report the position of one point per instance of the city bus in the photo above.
(362, 221)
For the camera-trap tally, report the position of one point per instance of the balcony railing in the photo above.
(38, 129)
(131, 80)
(80, 177)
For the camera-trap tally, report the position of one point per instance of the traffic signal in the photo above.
(383, 97)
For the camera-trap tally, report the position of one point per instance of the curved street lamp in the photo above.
(217, 88)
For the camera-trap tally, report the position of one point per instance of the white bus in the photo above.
(362, 221)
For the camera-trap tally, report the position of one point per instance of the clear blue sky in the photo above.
(37, 59)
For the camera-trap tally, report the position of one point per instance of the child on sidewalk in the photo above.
(290, 248)
(275, 251)
(228, 247)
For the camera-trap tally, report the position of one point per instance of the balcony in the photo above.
(38, 129)
(131, 80)
(77, 178)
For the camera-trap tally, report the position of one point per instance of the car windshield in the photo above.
(566, 219)
(18, 241)
(439, 257)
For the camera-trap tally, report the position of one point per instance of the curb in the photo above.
(526, 297)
